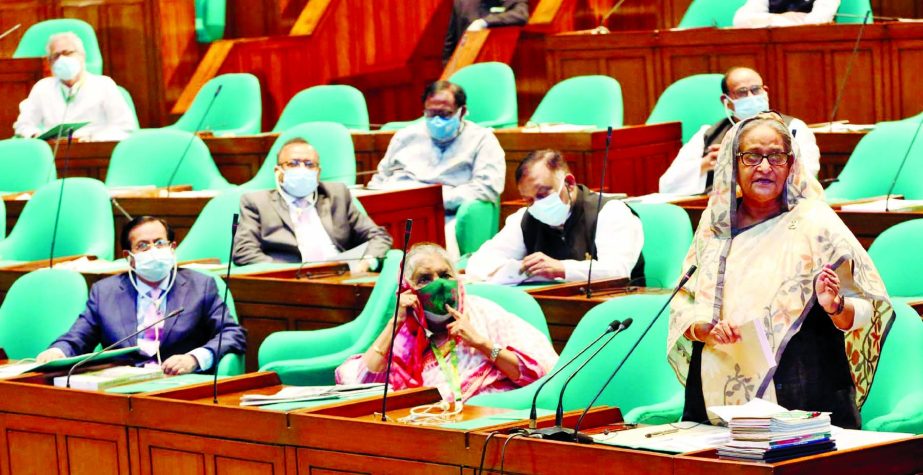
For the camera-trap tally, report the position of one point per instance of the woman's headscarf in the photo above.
(828, 242)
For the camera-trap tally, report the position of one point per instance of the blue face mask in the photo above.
(299, 182)
(442, 130)
(550, 209)
(66, 68)
(750, 106)
(154, 265)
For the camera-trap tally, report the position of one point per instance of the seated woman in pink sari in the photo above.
(463, 345)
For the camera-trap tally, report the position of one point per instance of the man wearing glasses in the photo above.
(304, 219)
(152, 288)
(444, 148)
(744, 96)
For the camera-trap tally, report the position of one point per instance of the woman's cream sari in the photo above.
(763, 280)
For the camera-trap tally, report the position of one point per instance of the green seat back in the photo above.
(131, 103)
(515, 301)
(310, 357)
(898, 378)
(711, 13)
(238, 109)
(25, 164)
(40, 307)
(232, 364)
(149, 157)
(333, 143)
(2, 219)
(85, 225)
(582, 100)
(898, 256)
(398, 125)
(646, 378)
(210, 235)
(692, 100)
(342, 104)
(871, 168)
(491, 91)
(210, 19)
(856, 9)
(35, 40)
(667, 236)
(475, 223)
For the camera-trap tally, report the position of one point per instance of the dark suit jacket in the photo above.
(111, 315)
(464, 12)
(266, 232)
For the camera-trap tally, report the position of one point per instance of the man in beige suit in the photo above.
(304, 220)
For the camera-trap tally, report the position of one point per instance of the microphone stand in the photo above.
(192, 139)
(384, 400)
(901, 168)
(599, 208)
(849, 65)
(57, 214)
(11, 30)
(682, 282)
(227, 286)
(80, 363)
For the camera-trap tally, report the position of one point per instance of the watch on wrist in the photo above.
(495, 352)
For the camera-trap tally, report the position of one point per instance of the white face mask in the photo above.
(154, 265)
(550, 210)
(66, 68)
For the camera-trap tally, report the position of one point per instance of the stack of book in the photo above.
(783, 436)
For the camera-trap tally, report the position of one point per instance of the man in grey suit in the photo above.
(304, 220)
(153, 288)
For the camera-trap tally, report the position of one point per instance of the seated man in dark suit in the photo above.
(304, 220)
(151, 289)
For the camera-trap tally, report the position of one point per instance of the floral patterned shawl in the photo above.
(762, 279)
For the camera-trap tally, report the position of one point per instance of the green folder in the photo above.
(495, 419)
(106, 355)
(161, 384)
(60, 130)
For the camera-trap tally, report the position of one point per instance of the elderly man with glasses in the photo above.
(74, 95)
(444, 148)
(304, 219)
(152, 289)
(744, 96)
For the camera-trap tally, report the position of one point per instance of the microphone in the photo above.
(599, 208)
(192, 139)
(227, 286)
(119, 207)
(601, 29)
(7, 32)
(682, 282)
(533, 413)
(400, 280)
(70, 373)
(849, 65)
(903, 161)
(57, 214)
(558, 432)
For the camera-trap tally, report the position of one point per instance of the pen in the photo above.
(655, 434)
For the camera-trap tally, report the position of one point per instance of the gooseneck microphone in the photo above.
(679, 286)
(849, 65)
(599, 209)
(903, 161)
(533, 412)
(192, 139)
(7, 32)
(602, 29)
(227, 286)
(80, 363)
(57, 214)
(408, 226)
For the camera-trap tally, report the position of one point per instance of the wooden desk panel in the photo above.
(835, 149)
(17, 76)
(881, 86)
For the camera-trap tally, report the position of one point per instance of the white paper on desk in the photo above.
(557, 127)
(851, 439)
(12, 370)
(689, 437)
(756, 407)
(92, 266)
(878, 206)
(657, 198)
(189, 193)
(511, 273)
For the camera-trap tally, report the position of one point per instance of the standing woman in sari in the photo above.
(786, 304)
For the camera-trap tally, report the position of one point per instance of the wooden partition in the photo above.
(148, 46)
(803, 66)
(337, 41)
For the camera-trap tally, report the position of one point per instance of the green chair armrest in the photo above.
(907, 416)
(232, 364)
(664, 412)
(297, 345)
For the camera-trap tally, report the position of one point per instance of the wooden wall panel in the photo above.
(166, 453)
(17, 76)
(323, 462)
(906, 58)
(26, 12)
(898, 8)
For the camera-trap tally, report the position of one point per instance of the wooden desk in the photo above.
(646, 62)
(386, 208)
(835, 149)
(638, 157)
(17, 76)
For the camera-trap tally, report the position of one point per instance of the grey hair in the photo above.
(421, 250)
(70, 35)
(772, 122)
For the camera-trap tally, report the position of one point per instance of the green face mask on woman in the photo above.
(434, 297)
